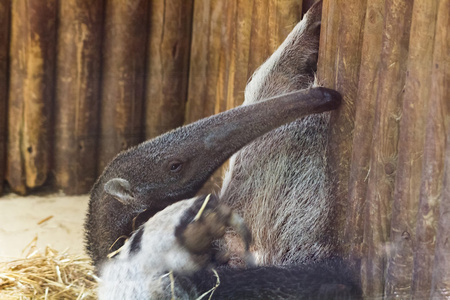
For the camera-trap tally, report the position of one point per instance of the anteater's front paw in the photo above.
(205, 222)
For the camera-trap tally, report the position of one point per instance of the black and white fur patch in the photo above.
(135, 241)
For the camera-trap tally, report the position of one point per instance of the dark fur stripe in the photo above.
(328, 280)
(136, 241)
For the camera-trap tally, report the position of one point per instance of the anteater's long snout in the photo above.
(229, 131)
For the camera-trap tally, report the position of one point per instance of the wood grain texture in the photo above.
(168, 65)
(439, 191)
(271, 21)
(416, 94)
(230, 39)
(441, 272)
(328, 43)
(339, 63)
(364, 120)
(431, 185)
(32, 53)
(4, 44)
(384, 153)
(77, 94)
(204, 62)
(363, 136)
(123, 77)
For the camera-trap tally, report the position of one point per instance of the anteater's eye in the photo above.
(175, 166)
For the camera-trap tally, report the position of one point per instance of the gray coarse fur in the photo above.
(140, 181)
(285, 194)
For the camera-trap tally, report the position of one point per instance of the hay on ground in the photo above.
(48, 275)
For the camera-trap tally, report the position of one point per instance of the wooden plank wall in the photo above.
(88, 79)
(76, 109)
(4, 38)
(82, 80)
(168, 69)
(389, 140)
(30, 99)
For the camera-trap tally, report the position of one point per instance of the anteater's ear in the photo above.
(120, 189)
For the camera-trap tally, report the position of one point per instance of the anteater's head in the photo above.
(173, 167)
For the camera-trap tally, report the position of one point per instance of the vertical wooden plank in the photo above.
(168, 65)
(348, 60)
(411, 143)
(204, 61)
(123, 77)
(227, 63)
(440, 93)
(239, 53)
(4, 43)
(272, 21)
(434, 148)
(77, 94)
(339, 64)
(260, 34)
(441, 272)
(384, 152)
(230, 39)
(364, 120)
(406, 204)
(326, 69)
(213, 36)
(220, 66)
(30, 92)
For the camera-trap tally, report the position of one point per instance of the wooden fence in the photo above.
(390, 141)
(82, 80)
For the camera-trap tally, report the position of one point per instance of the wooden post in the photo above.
(123, 75)
(383, 199)
(4, 43)
(441, 271)
(168, 65)
(271, 21)
(237, 38)
(227, 48)
(416, 94)
(384, 153)
(439, 191)
(32, 54)
(433, 161)
(364, 120)
(204, 61)
(77, 94)
(339, 63)
(328, 42)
